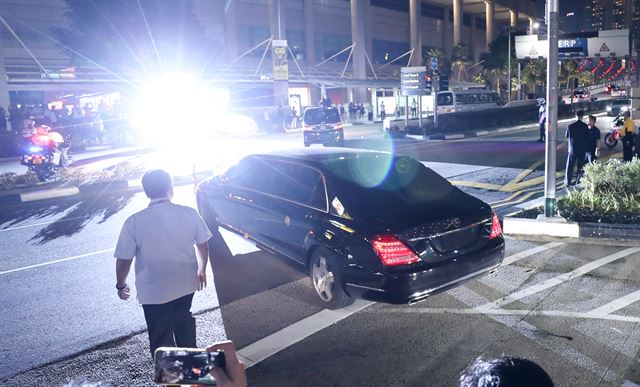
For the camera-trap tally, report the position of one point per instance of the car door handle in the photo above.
(238, 198)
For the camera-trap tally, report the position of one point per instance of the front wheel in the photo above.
(327, 282)
(610, 141)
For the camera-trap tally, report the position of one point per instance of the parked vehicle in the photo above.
(362, 223)
(618, 106)
(467, 101)
(323, 125)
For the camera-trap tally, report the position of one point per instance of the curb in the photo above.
(90, 189)
(565, 229)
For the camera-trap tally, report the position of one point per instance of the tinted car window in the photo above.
(363, 183)
(445, 99)
(303, 185)
(255, 174)
(321, 116)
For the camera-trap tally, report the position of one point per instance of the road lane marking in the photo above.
(531, 332)
(615, 305)
(527, 253)
(582, 270)
(268, 346)
(57, 261)
(513, 196)
(511, 312)
(525, 173)
(520, 200)
(476, 184)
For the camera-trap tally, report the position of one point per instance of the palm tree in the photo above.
(495, 62)
(444, 62)
(461, 57)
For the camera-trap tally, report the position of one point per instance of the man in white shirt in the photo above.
(161, 238)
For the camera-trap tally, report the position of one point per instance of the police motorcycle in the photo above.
(45, 153)
(611, 139)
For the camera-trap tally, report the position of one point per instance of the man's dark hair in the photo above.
(156, 183)
(580, 113)
(592, 117)
(505, 371)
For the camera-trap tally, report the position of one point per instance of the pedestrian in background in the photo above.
(593, 140)
(382, 110)
(161, 238)
(577, 146)
(3, 120)
(627, 133)
(542, 121)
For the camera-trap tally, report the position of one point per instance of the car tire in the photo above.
(327, 281)
(306, 145)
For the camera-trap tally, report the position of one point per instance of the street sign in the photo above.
(609, 43)
(434, 64)
(413, 80)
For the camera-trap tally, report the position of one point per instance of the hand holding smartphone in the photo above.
(177, 366)
(218, 365)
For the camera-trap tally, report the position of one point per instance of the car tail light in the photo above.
(496, 228)
(392, 252)
(338, 126)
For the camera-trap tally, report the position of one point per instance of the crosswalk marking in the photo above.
(616, 305)
(527, 253)
(582, 270)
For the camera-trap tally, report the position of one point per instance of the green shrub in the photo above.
(610, 190)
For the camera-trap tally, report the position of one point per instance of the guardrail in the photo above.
(486, 119)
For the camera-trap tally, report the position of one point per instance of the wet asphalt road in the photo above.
(68, 304)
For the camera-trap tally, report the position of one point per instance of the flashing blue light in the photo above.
(35, 149)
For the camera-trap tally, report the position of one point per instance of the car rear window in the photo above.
(321, 116)
(386, 185)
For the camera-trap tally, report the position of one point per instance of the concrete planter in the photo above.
(559, 227)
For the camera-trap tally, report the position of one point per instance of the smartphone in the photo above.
(175, 366)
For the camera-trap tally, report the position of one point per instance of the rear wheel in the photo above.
(327, 281)
(610, 141)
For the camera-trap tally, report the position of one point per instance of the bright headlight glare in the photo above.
(177, 108)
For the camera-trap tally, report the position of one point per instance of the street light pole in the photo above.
(552, 109)
(509, 66)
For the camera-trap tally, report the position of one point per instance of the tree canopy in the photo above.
(135, 36)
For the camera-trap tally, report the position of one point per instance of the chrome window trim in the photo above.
(450, 231)
(322, 177)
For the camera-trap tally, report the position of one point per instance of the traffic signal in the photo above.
(428, 83)
(444, 83)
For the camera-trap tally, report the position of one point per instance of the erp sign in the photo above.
(572, 47)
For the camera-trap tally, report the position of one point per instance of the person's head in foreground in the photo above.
(580, 114)
(157, 184)
(505, 371)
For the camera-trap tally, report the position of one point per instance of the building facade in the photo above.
(379, 31)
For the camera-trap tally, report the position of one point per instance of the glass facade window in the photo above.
(396, 5)
(481, 23)
(385, 51)
(432, 11)
(466, 20)
(330, 44)
(250, 36)
(295, 39)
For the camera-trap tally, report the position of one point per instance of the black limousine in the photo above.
(364, 224)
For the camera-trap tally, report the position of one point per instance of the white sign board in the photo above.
(529, 47)
(610, 43)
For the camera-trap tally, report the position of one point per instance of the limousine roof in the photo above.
(318, 154)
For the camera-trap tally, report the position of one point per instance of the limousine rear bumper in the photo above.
(414, 287)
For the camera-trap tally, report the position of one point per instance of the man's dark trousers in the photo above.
(573, 158)
(171, 324)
